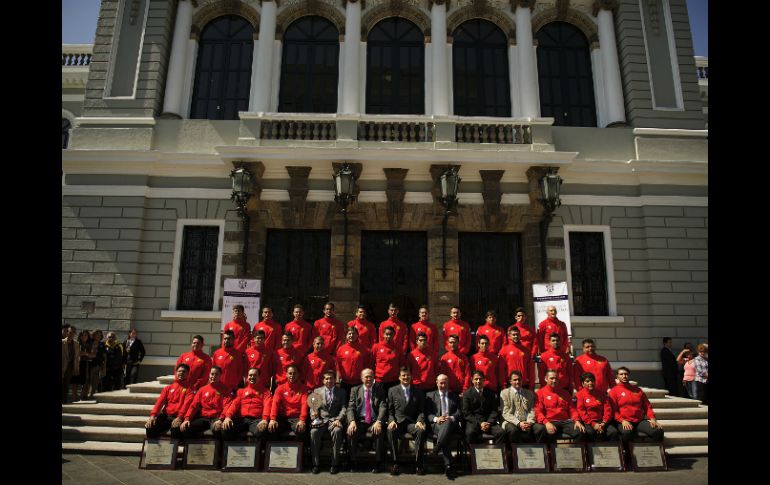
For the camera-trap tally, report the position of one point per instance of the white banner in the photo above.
(242, 292)
(556, 294)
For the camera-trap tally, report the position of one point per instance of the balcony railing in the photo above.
(76, 54)
(404, 131)
(283, 129)
(702, 67)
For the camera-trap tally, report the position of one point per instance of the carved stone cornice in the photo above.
(395, 192)
(226, 7)
(480, 10)
(611, 5)
(394, 8)
(439, 2)
(308, 7)
(562, 7)
(579, 19)
(522, 3)
(492, 195)
(298, 189)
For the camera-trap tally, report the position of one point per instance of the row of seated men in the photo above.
(386, 412)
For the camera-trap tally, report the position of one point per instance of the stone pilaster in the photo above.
(395, 193)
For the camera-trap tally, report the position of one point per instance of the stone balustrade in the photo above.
(76, 55)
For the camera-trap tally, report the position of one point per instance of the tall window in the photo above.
(65, 132)
(480, 70)
(223, 70)
(565, 76)
(395, 71)
(309, 68)
(197, 268)
(589, 273)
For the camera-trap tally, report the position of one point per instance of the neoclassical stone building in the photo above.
(178, 93)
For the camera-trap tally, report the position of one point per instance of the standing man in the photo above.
(422, 364)
(406, 410)
(240, 328)
(556, 359)
(388, 359)
(528, 337)
(487, 362)
(199, 363)
(426, 327)
(633, 410)
(171, 405)
(271, 328)
(70, 361)
(518, 410)
(249, 411)
(288, 410)
(316, 363)
(456, 366)
(551, 325)
(669, 367)
(284, 357)
(352, 359)
(367, 412)
(367, 334)
(443, 410)
(231, 361)
(515, 356)
(455, 326)
(401, 332)
(493, 333)
(330, 328)
(329, 418)
(134, 356)
(599, 366)
(258, 357)
(301, 331)
(555, 411)
(481, 411)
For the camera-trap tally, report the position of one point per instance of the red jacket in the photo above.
(232, 363)
(630, 403)
(487, 363)
(593, 406)
(422, 366)
(251, 402)
(273, 333)
(400, 338)
(544, 331)
(262, 359)
(290, 401)
(302, 332)
(313, 367)
(599, 366)
(457, 369)
(172, 398)
(282, 359)
(495, 335)
(200, 366)
(242, 331)
(527, 337)
(210, 402)
(332, 331)
(554, 405)
(430, 330)
(561, 363)
(515, 357)
(462, 330)
(367, 334)
(351, 360)
(388, 360)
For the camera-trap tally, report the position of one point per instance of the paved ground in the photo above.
(98, 469)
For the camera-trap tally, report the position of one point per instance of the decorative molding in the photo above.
(298, 189)
(611, 5)
(206, 14)
(448, 3)
(562, 7)
(395, 194)
(522, 3)
(480, 10)
(572, 16)
(307, 8)
(397, 8)
(492, 195)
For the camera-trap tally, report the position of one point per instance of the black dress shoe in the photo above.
(419, 470)
(449, 472)
(334, 470)
(395, 470)
(316, 470)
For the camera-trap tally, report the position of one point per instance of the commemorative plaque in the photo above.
(646, 457)
(284, 456)
(240, 456)
(201, 454)
(488, 459)
(530, 458)
(158, 454)
(569, 458)
(605, 457)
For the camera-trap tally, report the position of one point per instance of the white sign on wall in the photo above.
(556, 294)
(241, 292)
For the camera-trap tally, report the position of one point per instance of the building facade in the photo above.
(178, 93)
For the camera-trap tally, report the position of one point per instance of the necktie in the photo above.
(444, 405)
(328, 397)
(406, 394)
(368, 406)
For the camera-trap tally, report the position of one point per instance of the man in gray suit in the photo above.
(518, 410)
(443, 410)
(406, 410)
(367, 412)
(329, 417)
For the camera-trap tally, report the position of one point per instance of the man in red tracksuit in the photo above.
(240, 328)
(515, 356)
(493, 333)
(555, 411)
(599, 366)
(284, 357)
(557, 360)
(301, 330)
(487, 362)
(316, 363)
(272, 329)
(528, 337)
(426, 327)
(206, 411)
(422, 364)
(199, 363)
(231, 361)
(249, 411)
(550, 325)
(455, 326)
(258, 357)
(352, 358)
(401, 335)
(165, 413)
(367, 334)
(330, 328)
(388, 358)
(594, 410)
(455, 366)
(289, 408)
(633, 410)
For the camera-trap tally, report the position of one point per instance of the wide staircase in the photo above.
(114, 423)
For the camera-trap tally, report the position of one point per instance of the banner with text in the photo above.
(243, 292)
(556, 294)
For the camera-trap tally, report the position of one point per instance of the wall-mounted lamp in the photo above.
(448, 182)
(242, 185)
(344, 184)
(550, 186)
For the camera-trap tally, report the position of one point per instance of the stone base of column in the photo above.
(169, 116)
(618, 124)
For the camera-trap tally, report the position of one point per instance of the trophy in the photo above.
(315, 401)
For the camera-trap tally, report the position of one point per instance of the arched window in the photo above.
(565, 76)
(310, 67)
(65, 132)
(223, 69)
(480, 70)
(395, 68)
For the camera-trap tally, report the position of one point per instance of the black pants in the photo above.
(518, 435)
(474, 434)
(162, 424)
(337, 435)
(289, 424)
(443, 432)
(242, 425)
(394, 435)
(610, 433)
(656, 434)
(672, 383)
(364, 430)
(197, 427)
(132, 374)
(565, 427)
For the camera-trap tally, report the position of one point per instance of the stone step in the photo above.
(701, 412)
(102, 433)
(688, 450)
(108, 408)
(684, 424)
(676, 438)
(103, 420)
(673, 402)
(654, 393)
(146, 387)
(166, 380)
(125, 397)
(102, 448)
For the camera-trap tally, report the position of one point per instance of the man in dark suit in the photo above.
(406, 411)
(669, 368)
(328, 417)
(481, 411)
(443, 410)
(134, 356)
(367, 412)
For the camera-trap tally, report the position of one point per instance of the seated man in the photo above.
(329, 418)
(367, 411)
(289, 407)
(631, 407)
(555, 412)
(595, 410)
(481, 411)
(207, 408)
(249, 411)
(406, 410)
(518, 410)
(443, 409)
(173, 399)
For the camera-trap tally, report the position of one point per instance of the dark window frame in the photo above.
(589, 273)
(198, 261)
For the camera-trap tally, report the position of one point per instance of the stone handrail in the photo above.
(503, 133)
(702, 67)
(76, 55)
(399, 128)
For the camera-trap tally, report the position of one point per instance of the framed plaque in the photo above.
(488, 459)
(283, 456)
(201, 454)
(239, 456)
(647, 457)
(530, 458)
(605, 456)
(159, 454)
(569, 457)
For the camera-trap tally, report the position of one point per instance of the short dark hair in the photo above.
(389, 327)
(259, 332)
(454, 336)
(520, 310)
(296, 367)
(392, 305)
(187, 367)
(298, 306)
(329, 304)
(198, 337)
(554, 335)
(483, 337)
(229, 332)
(666, 340)
(288, 334)
(404, 369)
(623, 368)
(588, 341)
(478, 372)
(587, 375)
(491, 313)
(219, 369)
(421, 334)
(330, 372)
(514, 373)
(239, 307)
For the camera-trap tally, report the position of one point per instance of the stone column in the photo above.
(172, 100)
(438, 41)
(530, 103)
(261, 86)
(613, 87)
(350, 92)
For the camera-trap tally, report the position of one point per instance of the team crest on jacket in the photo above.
(449, 361)
(245, 393)
(588, 362)
(171, 390)
(187, 359)
(623, 394)
(548, 397)
(206, 395)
